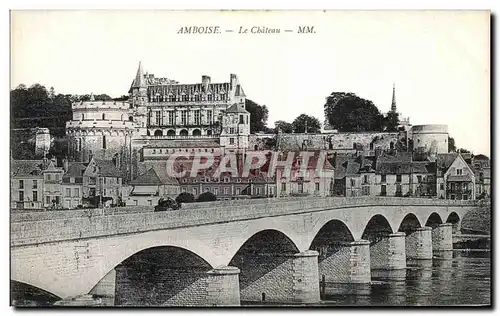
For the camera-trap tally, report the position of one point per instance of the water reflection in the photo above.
(463, 280)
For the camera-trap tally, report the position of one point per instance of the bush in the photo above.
(184, 197)
(206, 197)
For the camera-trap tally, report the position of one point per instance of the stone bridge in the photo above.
(221, 253)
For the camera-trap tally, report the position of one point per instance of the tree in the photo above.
(347, 112)
(451, 145)
(391, 121)
(285, 127)
(303, 120)
(184, 197)
(206, 197)
(463, 151)
(122, 98)
(258, 116)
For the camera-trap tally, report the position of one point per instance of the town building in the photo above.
(149, 187)
(72, 184)
(302, 179)
(26, 184)
(455, 178)
(102, 183)
(482, 173)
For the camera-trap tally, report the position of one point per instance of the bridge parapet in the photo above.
(100, 223)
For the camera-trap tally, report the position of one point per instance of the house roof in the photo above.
(444, 161)
(75, 169)
(107, 168)
(152, 177)
(236, 109)
(423, 167)
(481, 157)
(26, 168)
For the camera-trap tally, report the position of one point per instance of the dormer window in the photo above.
(459, 172)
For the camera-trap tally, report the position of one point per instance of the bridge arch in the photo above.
(377, 227)
(264, 263)
(433, 220)
(409, 223)
(24, 294)
(332, 234)
(159, 275)
(455, 220)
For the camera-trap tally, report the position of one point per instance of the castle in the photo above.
(163, 116)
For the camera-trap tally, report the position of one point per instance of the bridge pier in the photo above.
(289, 278)
(419, 244)
(389, 253)
(351, 264)
(442, 241)
(223, 288)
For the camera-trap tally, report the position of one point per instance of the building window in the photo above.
(183, 117)
(231, 130)
(399, 191)
(35, 196)
(383, 190)
(197, 117)
(316, 186)
(383, 178)
(465, 186)
(459, 172)
(300, 187)
(68, 192)
(452, 197)
(35, 184)
(135, 202)
(353, 182)
(231, 141)
(283, 187)
(209, 116)
(47, 200)
(79, 144)
(419, 179)
(21, 184)
(104, 142)
(195, 191)
(216, 191)
(398, 178)
(366, 190)
(441, 186)
(150, 202)
(103, 116)
(158, 118)
(238, 191)
(453, 186)
(242, 119)
(365, 179)
(21, 196)
(76, 192)
(465, 197)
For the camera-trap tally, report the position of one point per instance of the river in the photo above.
(464, 280)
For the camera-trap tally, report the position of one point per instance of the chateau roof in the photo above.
(75, 170)
(236, 109)
(26, 168)
(152, 177)
(444, 161)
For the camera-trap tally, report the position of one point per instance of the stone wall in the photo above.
(341, 142)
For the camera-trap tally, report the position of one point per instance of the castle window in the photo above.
(185, 97)
(353, 145)
(103, 141)
(197, 97)
(209, 116)
(183, 117)
(103, 116)
(197, 117)
(83, 117)
(210, 97)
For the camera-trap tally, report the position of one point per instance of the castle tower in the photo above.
(139, 88)
(393, 104)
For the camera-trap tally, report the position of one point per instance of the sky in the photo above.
(438, 60)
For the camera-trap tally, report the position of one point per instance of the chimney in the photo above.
(205, 81)
(232, 81)
(65, 164)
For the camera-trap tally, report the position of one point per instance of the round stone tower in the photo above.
(432, 137)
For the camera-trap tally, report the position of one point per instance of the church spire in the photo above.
(92, 98)
(393, 104)
(139, 77)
